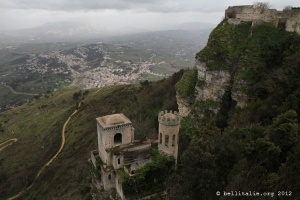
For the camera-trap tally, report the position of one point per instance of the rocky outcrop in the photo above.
(211, 84)
(184, 105)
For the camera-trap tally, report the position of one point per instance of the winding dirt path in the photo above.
(7, 143)
(50, 161)
(15, 92)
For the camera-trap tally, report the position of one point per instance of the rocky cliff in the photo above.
(229, 65)
(242, 130)
(219, 70)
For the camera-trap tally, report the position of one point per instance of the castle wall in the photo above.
(288, 18)
(130, 155)
(102, 152)
(118, 161)
(234, 21)
(293, 23)
(119, 188)
(106, 139)
(238, 14)
(108, 179)
(170, 131)
(108, 134)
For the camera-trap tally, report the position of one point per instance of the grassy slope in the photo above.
(38, 125)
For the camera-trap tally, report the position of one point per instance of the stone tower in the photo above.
(113, 130)
(168, 133)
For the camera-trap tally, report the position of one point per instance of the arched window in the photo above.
(118, 139)
(160, 138)
(109, 176)
(167, 140)
(119, 161)
(173, 140)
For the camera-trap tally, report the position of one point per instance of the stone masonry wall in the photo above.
(168, 129)
(249, 13)
(106, 139)
(291, 17)
(293, 23)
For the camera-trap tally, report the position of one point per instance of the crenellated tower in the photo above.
(168, 132)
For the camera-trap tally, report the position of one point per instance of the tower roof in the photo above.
(168, 118)
(113, 120)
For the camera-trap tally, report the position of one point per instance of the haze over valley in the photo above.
(36, 67)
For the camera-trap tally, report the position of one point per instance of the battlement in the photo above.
(116, 127)
(169, 118)
(288, 19)
(113, 122)
(250, 13)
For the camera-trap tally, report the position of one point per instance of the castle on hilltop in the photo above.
(118, 150)
(288, 19)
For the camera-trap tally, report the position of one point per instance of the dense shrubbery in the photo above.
(150, 178)
(258, 149)
(186, 86)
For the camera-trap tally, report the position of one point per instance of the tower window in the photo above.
(119, 161)
(160, 138)
(109, 176)
(173, 140)
(167, 140)
(118, 139)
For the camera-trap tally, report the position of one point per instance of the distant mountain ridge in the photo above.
(53, 32)
(81, 31)
(194, 26)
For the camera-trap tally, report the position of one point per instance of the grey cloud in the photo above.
(139, 5)
(71, 5)
(143, 5)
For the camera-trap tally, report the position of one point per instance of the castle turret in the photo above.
(168, 132)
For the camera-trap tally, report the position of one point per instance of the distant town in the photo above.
(88, 71)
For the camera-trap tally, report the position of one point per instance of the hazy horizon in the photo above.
(114, 14)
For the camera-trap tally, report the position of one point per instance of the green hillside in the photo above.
(256, 147)
(37, 126)
(222, 147)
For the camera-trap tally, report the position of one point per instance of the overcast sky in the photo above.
(146, 14)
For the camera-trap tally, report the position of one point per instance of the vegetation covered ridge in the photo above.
(254, 147)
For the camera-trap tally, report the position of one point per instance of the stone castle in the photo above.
(118, 149)
(288, 19)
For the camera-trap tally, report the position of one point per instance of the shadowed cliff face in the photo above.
(236, 61)
(220, 63)
(242, 130)
(218, 67)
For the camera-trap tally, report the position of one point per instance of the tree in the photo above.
(284, 130)
(262, 5)
(290, 173)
